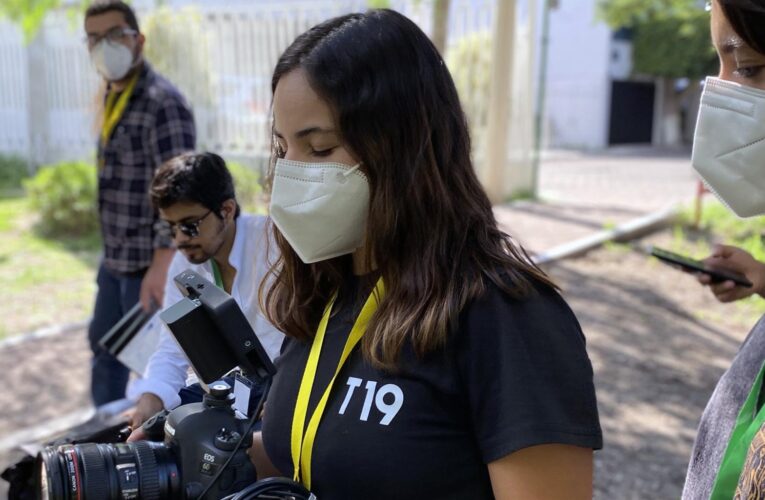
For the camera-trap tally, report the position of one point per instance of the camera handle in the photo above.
(154, 427)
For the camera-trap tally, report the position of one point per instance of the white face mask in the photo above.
(320, 208)
(729, 145)
(112, 60)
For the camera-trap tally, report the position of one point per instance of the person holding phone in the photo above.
(731, 258)
(426, 355)
(684, 263)
(729, 154)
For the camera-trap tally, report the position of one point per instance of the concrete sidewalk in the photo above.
(582, 194)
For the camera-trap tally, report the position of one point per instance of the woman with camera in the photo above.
(427, 357)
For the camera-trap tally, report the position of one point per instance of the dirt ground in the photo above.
(658, 343)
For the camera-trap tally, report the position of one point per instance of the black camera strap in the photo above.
(273, 488)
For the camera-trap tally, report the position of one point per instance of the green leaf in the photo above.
(671, 37)
(30, 14)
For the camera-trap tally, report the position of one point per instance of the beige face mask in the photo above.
(320, 208)
(729, 145)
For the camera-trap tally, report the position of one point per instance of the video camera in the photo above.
(196, 451)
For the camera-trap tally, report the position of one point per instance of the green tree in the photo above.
(177, 46)
(670, 41)
(30, 14)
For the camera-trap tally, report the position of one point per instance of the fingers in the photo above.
(152, 292)
(137, 435)
(727, 291)
(131, 417)
(722, 288)
(158, 296)
(704, 279)
(731, 296)
(723, 251)
(145, 297)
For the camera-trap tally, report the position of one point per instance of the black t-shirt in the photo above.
(513, 374)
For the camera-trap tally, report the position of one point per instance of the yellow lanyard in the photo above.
(302, 444)
(113, 111)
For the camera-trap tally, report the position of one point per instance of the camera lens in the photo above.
(90, 471)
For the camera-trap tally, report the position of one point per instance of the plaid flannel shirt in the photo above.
(157, 125)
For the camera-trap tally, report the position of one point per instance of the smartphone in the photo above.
(696, 266)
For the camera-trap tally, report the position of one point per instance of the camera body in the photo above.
(197, 451)
(186, 451)
(203, 436)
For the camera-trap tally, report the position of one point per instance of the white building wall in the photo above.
(578, 85)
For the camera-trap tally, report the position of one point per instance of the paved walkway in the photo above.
(581, 193)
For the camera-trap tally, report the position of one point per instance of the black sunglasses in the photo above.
(190, 229)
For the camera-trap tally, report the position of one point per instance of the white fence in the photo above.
(48, 88)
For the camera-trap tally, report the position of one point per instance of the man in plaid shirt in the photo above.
(146, 122)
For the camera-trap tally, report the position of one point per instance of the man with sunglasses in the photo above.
(194, 194)
(145, 122)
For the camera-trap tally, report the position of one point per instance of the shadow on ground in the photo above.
(656, 363)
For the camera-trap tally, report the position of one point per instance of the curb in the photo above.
(45, 429)
(626, 231)
(30, 437)
(48, 331)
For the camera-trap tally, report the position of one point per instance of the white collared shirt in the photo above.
(250, 256)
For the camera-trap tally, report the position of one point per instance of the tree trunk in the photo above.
(667, 119)
(503, 52)
(440, 24)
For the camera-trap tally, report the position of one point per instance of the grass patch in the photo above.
(46, 281)
(521, 195)
(617, 246)
(718, 225)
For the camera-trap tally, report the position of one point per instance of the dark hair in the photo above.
(103, 6)
(747, 17)
(193, 178)
(431, 232)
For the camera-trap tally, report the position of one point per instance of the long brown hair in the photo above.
(431, 232)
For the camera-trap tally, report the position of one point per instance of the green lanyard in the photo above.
(216, 274)
(749, 421)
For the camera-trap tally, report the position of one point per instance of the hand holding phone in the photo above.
(695, 266)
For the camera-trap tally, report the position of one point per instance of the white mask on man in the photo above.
(112, 60)
(729, 145)
(320, 208)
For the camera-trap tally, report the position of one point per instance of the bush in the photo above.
(12, 171)
(246, 185)
(64, 195)
(469, 62)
